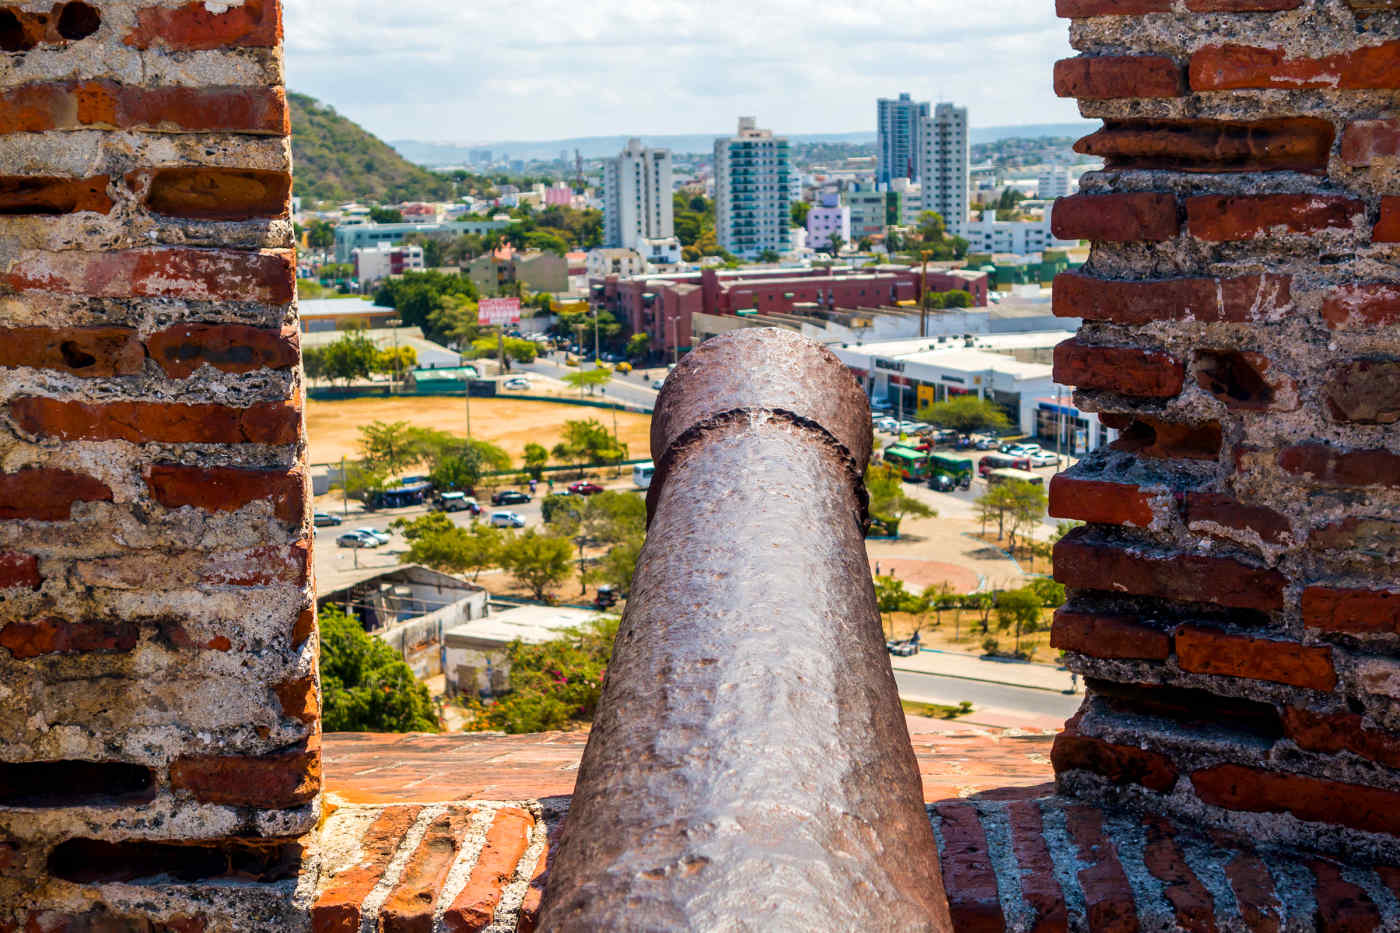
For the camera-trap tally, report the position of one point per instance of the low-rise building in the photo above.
(478, 651)
(496, 272)
(331, 314)
(352, 236)
(383, 260)
(869, 213)
(615, 261)
(1019, 237)
(830, 218)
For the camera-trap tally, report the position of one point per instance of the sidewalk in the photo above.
(974, 667)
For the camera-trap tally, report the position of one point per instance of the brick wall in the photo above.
(1234, 603)
(157, 658)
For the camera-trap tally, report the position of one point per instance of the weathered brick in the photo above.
(266, 276)
(281, 781)
(1170, 440)
(1324, 464)
(19, 570)
(1119, 764)
(1373, 304)
(228, 489)
(1364, 391)
(968, 873)
(1099, 502)
(1225, 218)
(158, 422)
(193, 26)
(1333, 733)
(1253, 887)
(1126, 370)
(1109, 901)
(46, 194)
(1192, 902)
(1352, 611)
(1040, 889)
(101, 920)
(231, 348)
(1365, 141)
(205, 193)
(1235, 787)
(1298, 144)
(1208, 651)
(410, 906)
(1067, 9)
(1245, 380)
(1387, 229)
(47, 495)
(1084, 563)
(1106, 77)
(339, 906)
(1364, 536)
(1233, 67)
(1120, 218)
(26, 640)
(474, 909)
(1210, 508)
(1207, 300)
(1342, 907)
(70, 105)
(304, 627)
(1118, 637)
(1241, 6)
(83, 351)
(299, 698)
(263, 566)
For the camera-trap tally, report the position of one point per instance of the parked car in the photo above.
(607, 596)
(657, 384)
(1043, 458)
(355, 539)
(887, 425)
(1019, 450)
(584, 489)
(903, 649)
(380, 536)
(322, 519)
(984, 442)
(509, 497)
(517, 382)
(624, 367)
(922, 429)
(570, 360)
(881, 404)
(457, 502)
(942, 482)
(507, 520)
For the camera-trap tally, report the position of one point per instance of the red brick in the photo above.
(968, 874)
(1234, 67)
(1126, 370)
(1388, 227)
(1226, 218)
(1118, 764)
(1207, 300)
(1235, 787)
(1040, 890)
(267, 276)
(1323, 464)
(1362, 535)
(1362, 305)
(1153, 437)
(45, 495)
(26, 640)
(1241, 6)
(1194, 906)
(202, 193)
(1109, 899)
(281, 781)
(1390, 877)
(82, 351)
(158, 422)
(44, 194)
(101, 920)
(409, 907)
(474, 909)
(254, 23)
(264, 566)
(1330, 734)
(1245, 381)
(1119, 637)
(1342, 907)
(1355, 612)
(1067, 9)
(299, 698)
(1253, 887)
(1083, 563)
(1107, 77)
(338, 908)
(1364, 391)
(1225, 510)
(69, 105)
(1297, 144)
(1207, 651)
(304, 627)
(1100, 502)
(228, 489)
(1120, 218)
(232, 348)
(19, 570)
(1365, 141)
(534, 895)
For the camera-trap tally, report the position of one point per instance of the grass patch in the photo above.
(936, 710)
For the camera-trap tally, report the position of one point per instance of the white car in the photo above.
(910, 427)
(517, 382)
(887, 424)
(380, 536)
(1020, 450)
(507, 520)
(1042, 458)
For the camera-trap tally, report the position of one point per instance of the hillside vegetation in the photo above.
(337, 160)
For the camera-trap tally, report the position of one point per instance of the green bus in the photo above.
(959, 468)
(912, 464)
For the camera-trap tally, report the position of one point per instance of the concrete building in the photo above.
(330, 314)
(611, 261)
(1055, 183)
(350, 237)
(910, 195)
(829, 218)
(477, 652)
(383, 260)
(869, 212)
(559, 195)
(898, 123)
(1019, 237)
(496, 273)
(637, 201)
(945, 156)
(755, 185)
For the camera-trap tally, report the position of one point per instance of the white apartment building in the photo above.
(898, 122)
(381, 261)
(911, 201)
(944, 158)
(755, 185)
(1020, 237)
(1054, 183)
(637, 202)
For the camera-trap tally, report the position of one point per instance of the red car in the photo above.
(584, 489)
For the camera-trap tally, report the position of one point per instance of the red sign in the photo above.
(498, 311)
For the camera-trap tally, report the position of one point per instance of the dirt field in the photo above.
(333, 427)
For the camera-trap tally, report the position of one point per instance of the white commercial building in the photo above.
(1020, 237)
(637, 201)
(898, 122)
(755, 185)
(615, 261)
(827, 219)
(1055, 183)
(944, 159)
(383, 260)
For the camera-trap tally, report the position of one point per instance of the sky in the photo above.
(462, 71)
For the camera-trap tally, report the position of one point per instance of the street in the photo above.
(630, 388)
(934, 688)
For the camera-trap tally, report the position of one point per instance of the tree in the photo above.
(365, 686)
(458, 463)
(389, 446)
(313, 361)
(931, 227)
(452, 548)
(385, 215)
(1026, 504)
(965, 414)
(799, 212)
(892, 597)
(1050, 593)
(995, 502)
(864, 244)
(619, 564)
(1019, 608)
(588, 442)
(320, 235)
(769, 255)
(982, 604)
(834, 244)
(351, 357)
(395, 360)
(588, 378)
(638, 346)
(535, 459)
(888, 499)
(540, 561)
(957, 298)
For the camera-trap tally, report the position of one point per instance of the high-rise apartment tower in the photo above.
(637, 202)
(944, 157)
(755, 185)
(897, 125)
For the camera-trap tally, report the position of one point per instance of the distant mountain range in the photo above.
(593, 147)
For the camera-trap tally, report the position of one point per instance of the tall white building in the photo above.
(637, 202)
(898, 122)
(755, 185)
(1054, 183)
(944, 157)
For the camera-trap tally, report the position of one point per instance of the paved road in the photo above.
(632, 389)
(933, 688)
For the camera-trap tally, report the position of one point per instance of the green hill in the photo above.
(336, 160)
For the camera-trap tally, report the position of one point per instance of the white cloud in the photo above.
(542, 69)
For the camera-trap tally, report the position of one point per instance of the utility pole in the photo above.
(923, 296)
(675, 342)
(467, 394)
(1059, 427)
(501, 348)
(595, 336)
(344, 489)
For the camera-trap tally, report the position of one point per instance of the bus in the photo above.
(959, 468)
(642, 474)
(996, 477)
(912, 463)
(1002, 462)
